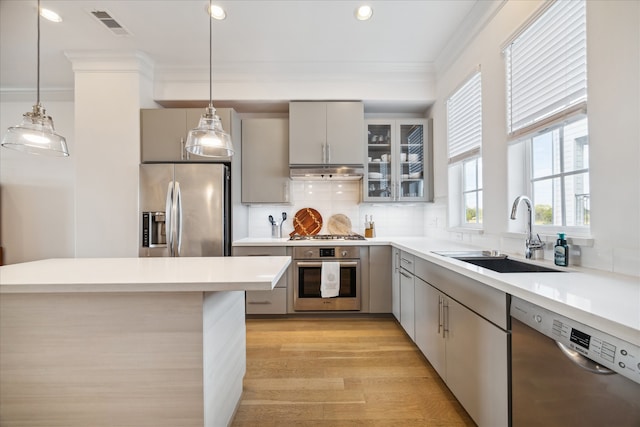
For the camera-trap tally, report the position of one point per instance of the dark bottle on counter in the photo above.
(561, 251)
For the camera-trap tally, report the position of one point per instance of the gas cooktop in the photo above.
(328, 237)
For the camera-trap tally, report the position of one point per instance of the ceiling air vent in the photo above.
(110, 22)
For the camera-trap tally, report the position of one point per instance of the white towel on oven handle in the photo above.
(330, 279)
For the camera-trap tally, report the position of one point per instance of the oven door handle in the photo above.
(319, 264)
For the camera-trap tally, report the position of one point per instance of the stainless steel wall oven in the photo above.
(307, 264)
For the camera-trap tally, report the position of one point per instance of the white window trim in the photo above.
(583, 232)
(456, 218)
(519, 161)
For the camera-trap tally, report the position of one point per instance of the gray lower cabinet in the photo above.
(266, 302)
(407, 293)
(163, 132)
(265, 160)
(380, 269)
(429, 327)
(407, 307)
(395, 283)
(461, 328)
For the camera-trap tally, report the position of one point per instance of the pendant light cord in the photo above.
(38, 62)
(210, 62)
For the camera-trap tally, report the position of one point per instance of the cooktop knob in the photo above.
(344, 254)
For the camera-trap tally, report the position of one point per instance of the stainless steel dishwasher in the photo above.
(564, 373)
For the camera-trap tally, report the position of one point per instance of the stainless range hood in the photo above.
(326, 172)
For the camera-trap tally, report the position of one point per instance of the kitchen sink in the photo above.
(498, 262)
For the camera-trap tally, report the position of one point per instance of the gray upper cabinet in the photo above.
(163, 132)
(265, 160)
(399, 161)
(326, 133)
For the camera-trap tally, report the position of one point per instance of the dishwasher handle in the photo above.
(584, 362)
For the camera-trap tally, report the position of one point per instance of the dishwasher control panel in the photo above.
(604, 349)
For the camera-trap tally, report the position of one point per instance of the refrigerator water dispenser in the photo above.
(153, 230)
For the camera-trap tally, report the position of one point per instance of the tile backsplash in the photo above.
(419, 219)
(339, 197)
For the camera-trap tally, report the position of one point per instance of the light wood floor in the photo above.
(340, 372)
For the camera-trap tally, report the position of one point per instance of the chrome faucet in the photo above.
(533, 245)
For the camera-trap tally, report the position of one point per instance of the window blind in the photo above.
(547, 67)
(464, 120)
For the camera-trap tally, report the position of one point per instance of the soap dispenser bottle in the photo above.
(561, 251)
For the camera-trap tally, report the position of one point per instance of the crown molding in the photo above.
(113, 61)
(481, 14)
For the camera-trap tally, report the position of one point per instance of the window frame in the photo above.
(477, 190)
(526, 159)
(457, 216)
(548, 116)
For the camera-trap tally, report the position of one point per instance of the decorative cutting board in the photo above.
(339, 224)
(307, 222)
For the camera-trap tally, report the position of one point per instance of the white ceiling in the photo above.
(285, 36)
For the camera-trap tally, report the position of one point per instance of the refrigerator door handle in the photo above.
(168, 208)
(178, 219)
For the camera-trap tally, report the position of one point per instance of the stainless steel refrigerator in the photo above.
(185, 210)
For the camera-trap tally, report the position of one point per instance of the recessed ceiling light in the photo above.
(364, 13)
(217, 12)
(50, 15)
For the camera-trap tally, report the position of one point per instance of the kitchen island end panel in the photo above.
(103, 359)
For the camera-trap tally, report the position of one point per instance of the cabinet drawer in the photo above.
(267, 302)
(490, 303)
(260, 251)
(407, 261)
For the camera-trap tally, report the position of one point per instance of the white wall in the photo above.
(109, 92)
(613, 38)
(37, 192)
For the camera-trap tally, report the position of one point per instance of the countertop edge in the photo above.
(176, 275)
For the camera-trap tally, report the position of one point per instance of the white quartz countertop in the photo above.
(269, 241)
(605, 301)
(143, 274)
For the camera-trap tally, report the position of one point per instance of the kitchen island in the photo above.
(126, 341)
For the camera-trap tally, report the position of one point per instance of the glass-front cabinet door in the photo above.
(378, 180)
(398, 160)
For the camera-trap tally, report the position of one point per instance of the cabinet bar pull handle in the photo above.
(439, 314)
(259, 302)
(445, 319)
(405, 274)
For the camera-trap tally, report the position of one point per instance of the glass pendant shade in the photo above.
(36, 135)
(209, 139)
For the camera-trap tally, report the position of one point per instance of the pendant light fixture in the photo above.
(36, 134)
(209, 139)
